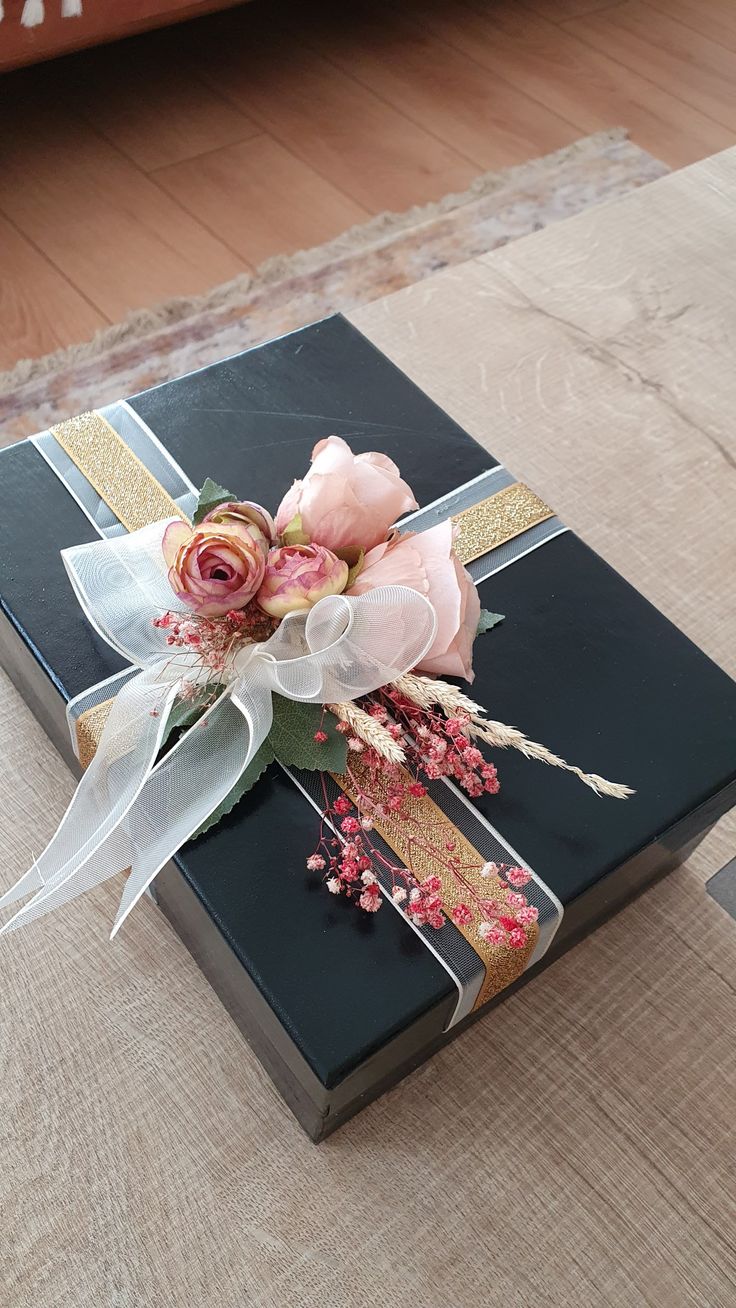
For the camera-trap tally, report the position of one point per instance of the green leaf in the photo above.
(488, 620)
(293, 534)
(209, 497)
(291, 741)
(292, 737)
(188, 711)
(254, 770)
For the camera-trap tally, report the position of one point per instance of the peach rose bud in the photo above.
(346, 500)
(297, 576)
(214, 567)
(251, 515)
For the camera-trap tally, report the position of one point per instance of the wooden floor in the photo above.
(172, 161)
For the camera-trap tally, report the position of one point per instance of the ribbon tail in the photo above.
(189, 784)
(128, 747)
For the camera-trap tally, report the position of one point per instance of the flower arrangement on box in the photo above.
(238, 576)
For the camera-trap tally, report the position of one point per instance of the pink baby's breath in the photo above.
(492, 932)
(462, 915)
(370, 900)
(518, 877)
(514, 900)
(527, 915)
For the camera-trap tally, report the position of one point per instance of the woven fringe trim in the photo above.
(375, 232)
(33, 13)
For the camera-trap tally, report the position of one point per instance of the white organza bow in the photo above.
(130, 811)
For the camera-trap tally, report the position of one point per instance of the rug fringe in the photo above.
(384, 227)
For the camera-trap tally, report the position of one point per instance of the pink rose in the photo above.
(296, 576)
(346, 500)
(214, 567)
(425, 561)
(254, 516)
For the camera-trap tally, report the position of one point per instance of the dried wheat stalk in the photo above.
(370, 731)
(503, 737)
(425, 691)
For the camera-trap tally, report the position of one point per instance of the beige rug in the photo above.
(386, 254)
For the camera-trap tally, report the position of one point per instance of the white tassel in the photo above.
(2, 11)
(32, 15)
(71, 8)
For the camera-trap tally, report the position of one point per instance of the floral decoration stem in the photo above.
(426, 691)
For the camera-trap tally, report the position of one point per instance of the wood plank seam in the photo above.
(365, 83)
(52, 264)
(572, 27)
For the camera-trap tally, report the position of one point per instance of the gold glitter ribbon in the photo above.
(135, 497)
(501, 517)
(115, 472)
(424, 841)
(89, 727)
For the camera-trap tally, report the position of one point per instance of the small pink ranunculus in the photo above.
(296, 576)
(214, 567)
(346, 500)
(251, 515)
(425, 561)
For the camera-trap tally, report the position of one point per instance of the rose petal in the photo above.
(176, 534)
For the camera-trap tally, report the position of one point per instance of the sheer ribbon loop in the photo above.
(134, 810)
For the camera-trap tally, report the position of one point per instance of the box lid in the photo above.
(582, 662)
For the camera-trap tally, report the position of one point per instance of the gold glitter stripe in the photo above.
(135, 497)
(117, 474)
(503, 964)
(89, 727)
(498, 519)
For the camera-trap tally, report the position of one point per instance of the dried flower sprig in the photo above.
(215, 641)
(348, 858)
(504, 737)
(425, 691)
(435, 745)
(369, 730)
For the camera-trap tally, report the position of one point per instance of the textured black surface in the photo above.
(586, 665)
(257, 417)
(582, 663)
(39, 518)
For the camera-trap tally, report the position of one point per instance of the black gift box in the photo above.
(338, 1005)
